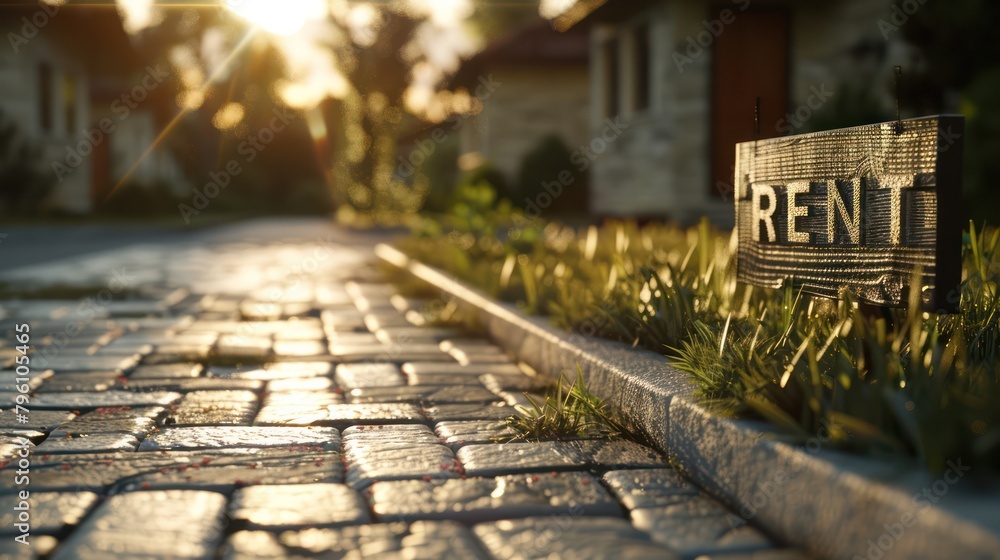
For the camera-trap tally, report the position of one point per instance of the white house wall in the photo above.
(661, 166)
(19, 81)
(526, 106)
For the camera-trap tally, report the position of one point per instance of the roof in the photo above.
(92, 33)
(536, 44)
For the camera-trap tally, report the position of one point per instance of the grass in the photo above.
(922, 385)
(568, 411)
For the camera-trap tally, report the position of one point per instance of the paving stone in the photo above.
(416, 368)
(354, 338)
(146, 524)
(388, 353)
(432, 394)
(41, 420)
(165, 355)
(67, 362)
(699, 526)
(260, 311)
(517, 382)
(88, 443)
(497, 459)
(240, 437)
(206, 413)
(273, 371)
(79, 382)
(194, 384)
(51, 512)
(479, 355)
(772, 554)
(165, 371)
(474, 500)
(641, 488)
(137, 421)
(82, 401)
(350, 376)
(358, 440)
(339, 415)
(226, 478)
(456, 412)
(414, 335)
(385, 319)
(543, 538)
(304, 398)
(300, 348)
(230, 467)
(301, 384)
(342, 320)
(40, 547)
(409, 432)
(459, 434)
(10, 384)
(243, 346)
(395, 541)
(381, 460)
(297, 506)
(228, 396)
(617, 454)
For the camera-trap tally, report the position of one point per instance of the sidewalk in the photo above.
(236, 398)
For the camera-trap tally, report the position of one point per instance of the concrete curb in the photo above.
(831, 505)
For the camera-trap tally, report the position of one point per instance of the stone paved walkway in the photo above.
(279, 400)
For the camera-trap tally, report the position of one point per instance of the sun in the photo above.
(281, 18)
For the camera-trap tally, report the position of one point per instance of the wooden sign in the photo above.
(860, 208)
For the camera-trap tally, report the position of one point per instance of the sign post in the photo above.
(860, 208)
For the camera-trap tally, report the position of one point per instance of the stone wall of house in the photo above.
(525, 106)
(20, 102)
(661, 166)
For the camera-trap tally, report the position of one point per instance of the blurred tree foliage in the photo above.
(961, 54)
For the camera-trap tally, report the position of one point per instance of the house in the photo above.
(531, 85)
(77, 92)
(682, 78)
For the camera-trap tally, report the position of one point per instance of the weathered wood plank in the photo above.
(861, 208)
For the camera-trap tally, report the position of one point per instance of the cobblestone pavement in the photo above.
(279, 400)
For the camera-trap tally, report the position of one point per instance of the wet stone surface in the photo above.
(474, 500)
(240, 437)
(253, 400)
(568, 537)
(133, 525)
(51, 512)
(418, 541)
(297, 506)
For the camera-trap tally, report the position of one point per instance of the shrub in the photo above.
(23, 184)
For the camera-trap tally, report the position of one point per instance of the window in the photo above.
(45, 97)
(69, 103)
(611, 78)
(642, 69)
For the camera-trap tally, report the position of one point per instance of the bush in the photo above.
(543, 165)
(23, 184)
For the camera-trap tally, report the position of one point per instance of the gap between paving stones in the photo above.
(794, 494)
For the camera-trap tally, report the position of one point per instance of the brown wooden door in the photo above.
(750, 59)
